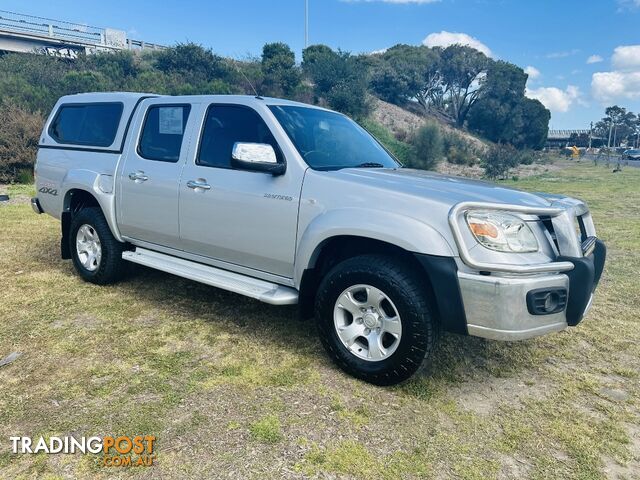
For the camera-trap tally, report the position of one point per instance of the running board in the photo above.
(234, 282)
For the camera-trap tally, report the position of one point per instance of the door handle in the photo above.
(138, 176)
(194, 184)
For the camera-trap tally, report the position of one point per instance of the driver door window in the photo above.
(224, 126)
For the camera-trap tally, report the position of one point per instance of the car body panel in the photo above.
(272, 227)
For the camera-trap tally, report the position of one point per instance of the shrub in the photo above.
(18, 142)
(428, 147)
(526, 157)
(458, 150)
(498, 160)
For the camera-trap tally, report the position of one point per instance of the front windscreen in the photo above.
(331, 141)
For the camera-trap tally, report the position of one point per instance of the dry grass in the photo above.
(236, 389)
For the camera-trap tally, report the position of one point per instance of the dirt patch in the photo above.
(484, 396)
(476, 171)
(614, 470)
(514, 468)
(403, 123)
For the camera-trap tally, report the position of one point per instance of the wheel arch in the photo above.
(437, 273)
(78, 196)
(96, 190)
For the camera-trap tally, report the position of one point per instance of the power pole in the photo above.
(610, 132)
(590, 134)
(306, 23)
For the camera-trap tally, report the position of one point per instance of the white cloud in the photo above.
(628, 4)
(555, 99)
(533, 72)
(445, 39)
(391, 1)
(610, 86)
(626, 58)
(595, 59)
(563, 54)
(623, 82)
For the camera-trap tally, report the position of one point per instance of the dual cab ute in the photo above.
(290, 203)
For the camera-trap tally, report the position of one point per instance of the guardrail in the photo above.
(74, 33)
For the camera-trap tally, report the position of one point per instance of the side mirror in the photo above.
(258, 157)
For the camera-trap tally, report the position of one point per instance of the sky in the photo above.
(581, 55)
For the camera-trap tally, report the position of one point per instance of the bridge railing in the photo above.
(58, 29)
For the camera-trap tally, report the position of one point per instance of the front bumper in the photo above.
(496, 306)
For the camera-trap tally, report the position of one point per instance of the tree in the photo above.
(280, 74)
(339, 79)
(535, 124)
(462, 69)
(618, 126)
(406, 72)
(503, 114)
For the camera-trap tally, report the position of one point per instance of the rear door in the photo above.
(147, 207)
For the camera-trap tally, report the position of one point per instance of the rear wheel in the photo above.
(96, 254)
(375, 319)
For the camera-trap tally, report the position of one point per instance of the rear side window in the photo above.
(94, 124)
(163, 132)
(226, 125)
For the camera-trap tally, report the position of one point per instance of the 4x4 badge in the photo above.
(49, 190)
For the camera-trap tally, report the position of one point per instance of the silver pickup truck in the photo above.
(293, 204)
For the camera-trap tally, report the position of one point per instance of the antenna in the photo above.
(247, 80)
(306, 23)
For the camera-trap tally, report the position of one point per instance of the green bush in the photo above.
(498, 160)
(428, 147)
(527, 157)
(458, 150)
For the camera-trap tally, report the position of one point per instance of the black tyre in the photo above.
(96, 254)
(374, 318)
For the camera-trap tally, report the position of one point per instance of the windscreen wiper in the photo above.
(370, 165)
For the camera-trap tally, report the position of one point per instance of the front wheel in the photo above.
(375, 319)
(96, 254)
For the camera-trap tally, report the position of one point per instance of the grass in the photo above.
(267, 429)
(403, 151)
(236, 388)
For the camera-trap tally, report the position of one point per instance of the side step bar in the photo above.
(234, 282)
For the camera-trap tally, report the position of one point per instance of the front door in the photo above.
(239, 217)
(147, 207)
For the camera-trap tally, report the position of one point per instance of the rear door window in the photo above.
(92, 125)
(163, 132)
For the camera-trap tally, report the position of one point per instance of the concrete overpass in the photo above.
(564, 138)
(33, 34)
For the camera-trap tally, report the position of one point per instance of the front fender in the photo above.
(405, 232)
(101, 186)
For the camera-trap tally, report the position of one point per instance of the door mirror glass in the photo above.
(259, 157)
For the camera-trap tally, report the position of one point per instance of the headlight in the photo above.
(501, 231)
